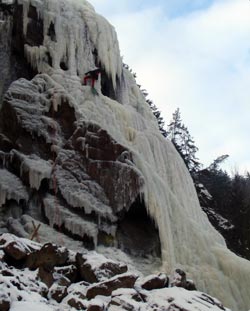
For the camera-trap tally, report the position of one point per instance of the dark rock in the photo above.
(94, 274)
(75, 303)
(190, 285)
(6, 273)
(131, 294)
(107, 287)
(70, 272)
(46, 275)
(85, 270)
(34, 35)
(48, 256)
(58, 292)
(4, 303)
(155, 282)
(14, 251)
(114, 165)
(180, 280)
(121, 303)
(95, 307)
(5, 143)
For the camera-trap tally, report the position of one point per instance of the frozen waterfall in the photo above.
(188, 240)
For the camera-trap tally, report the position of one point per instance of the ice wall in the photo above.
(77, 32)
(187, 238)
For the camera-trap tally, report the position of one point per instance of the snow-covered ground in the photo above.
(24, 290)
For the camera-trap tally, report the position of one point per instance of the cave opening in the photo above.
(107, 86)
(63, 65)
(137, 234)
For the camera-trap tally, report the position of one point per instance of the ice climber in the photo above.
(92, 75)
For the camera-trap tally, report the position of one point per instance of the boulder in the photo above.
(96, 307)
(48, 256)
(4, 302)
(154, 281)
(45, 274)
(105, 288)
(96, 268)
(74, 302)
(180, 280)
(15, 251)
(131, 294)
(69, 271)
(58, 292)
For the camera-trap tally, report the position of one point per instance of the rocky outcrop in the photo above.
(78, 166)
(100, 271)
(73, 169)
(91, 163)
(105, 288)
(124, 291)
(154, 281)
(180, 280)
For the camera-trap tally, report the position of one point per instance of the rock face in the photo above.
(92, 164)
(83, 180)
(80, 167)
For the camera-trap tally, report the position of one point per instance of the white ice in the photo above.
(37, 168)
(188, 240)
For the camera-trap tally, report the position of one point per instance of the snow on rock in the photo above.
(23, 245)
(95, 267)
(45, 113)
(181, 299)
(11, 187)
(23, 289)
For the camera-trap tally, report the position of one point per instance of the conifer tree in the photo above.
(178, 133)
(158, 117)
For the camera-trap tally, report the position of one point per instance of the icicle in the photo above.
(187, 238)
(59, 215)
(36, 56)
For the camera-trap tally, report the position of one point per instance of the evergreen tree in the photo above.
(158, 117)
(178, 133)
(215, 164)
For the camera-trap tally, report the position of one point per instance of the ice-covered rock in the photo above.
(11, 188)
(94, 267)
(106, 152)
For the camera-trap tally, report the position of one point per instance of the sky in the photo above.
(193, 55)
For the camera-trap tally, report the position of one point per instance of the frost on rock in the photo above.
(11, 187)
(60, 216)
(37, 168)
(54, 116)
(77, 194)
